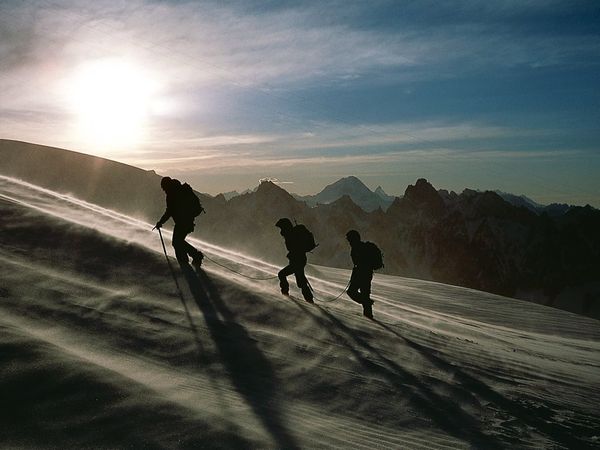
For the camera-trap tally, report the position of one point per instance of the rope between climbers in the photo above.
(335, 298)
(272, 278)
(234, 271)
(239, 273)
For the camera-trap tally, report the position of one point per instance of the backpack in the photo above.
(305, 239)
(190, 201)
(373, 255)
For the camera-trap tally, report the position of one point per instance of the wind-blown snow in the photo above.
(99, 349)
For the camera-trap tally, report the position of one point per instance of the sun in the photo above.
(111, 100)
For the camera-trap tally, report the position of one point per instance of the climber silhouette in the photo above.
(295, 242)
(359, 289)
(183, 206)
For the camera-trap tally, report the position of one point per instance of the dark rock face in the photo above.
(421, 199)
(423, 193)
(474, 239)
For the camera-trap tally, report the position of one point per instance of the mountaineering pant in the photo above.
(359, 289)
(296, 267)
(182, 248)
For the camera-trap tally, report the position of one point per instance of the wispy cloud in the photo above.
(384, 164)
(326, 136)
(196, 46)
(405, 135)
(193, 42)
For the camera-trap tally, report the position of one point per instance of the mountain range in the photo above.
(473, 239)
(370, 200)
(351, 186)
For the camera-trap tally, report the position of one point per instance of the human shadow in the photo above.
(251, 373)
(534, 417)
(193, 328)
(446, 414)
(197, 340)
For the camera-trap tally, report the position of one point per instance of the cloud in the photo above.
(415, 161)
(338, 146)
(274, 180)
(204, 48)
(208, 43)
(195, 46)
(199, 42)
(373, 136)
(327, 137)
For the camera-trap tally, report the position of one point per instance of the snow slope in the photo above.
(100, 349)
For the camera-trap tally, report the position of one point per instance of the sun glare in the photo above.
(111, 100)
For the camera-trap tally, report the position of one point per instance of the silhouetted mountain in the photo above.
(229, 195)
(353, 188)
(350, 186)
(520, 200)
(556, 209)
(382, 195)
(474, 239)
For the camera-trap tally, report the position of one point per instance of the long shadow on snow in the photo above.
(251, 373)
(447, 415)
(532, 417)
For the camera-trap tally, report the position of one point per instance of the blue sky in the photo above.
(487, 95)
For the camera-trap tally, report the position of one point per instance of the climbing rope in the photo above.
(273, 277)
(236, 272)
(330, 300)
(239, 273)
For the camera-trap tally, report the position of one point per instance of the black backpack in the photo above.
(305, 239)
(373, 255)
(190, 201)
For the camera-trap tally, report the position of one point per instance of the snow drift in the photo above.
(100, 349)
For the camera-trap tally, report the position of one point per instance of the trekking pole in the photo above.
(187, 311)
(170, 265)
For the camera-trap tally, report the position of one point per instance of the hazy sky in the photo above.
(497, 94)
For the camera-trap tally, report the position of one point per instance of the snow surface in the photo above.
(100, 348)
